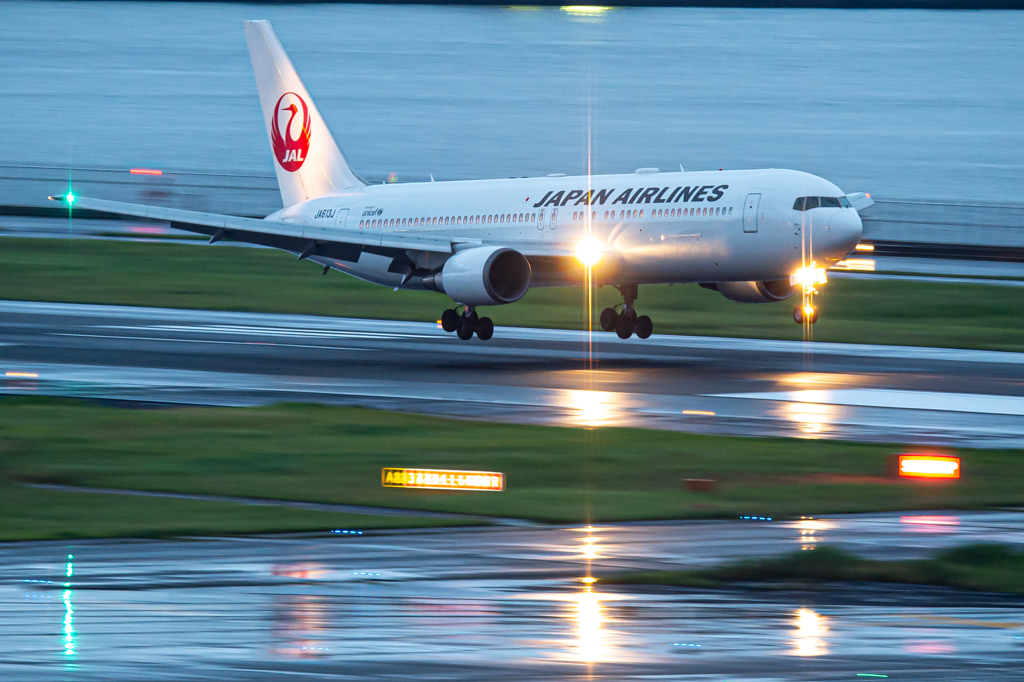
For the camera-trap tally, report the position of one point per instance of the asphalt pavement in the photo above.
(499, 603)
(573, 378)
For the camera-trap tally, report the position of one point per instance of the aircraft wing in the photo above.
(341, 243)
(860, 200)
(329, 242)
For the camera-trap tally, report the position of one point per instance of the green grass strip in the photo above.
(225, 277)
(33, 514)
(983, 567)
(335, 454)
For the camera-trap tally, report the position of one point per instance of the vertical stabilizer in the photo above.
(306, 157)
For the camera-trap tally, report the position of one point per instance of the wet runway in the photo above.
(498, 603)
(706, 385)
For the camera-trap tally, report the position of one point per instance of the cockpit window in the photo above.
(807, 203)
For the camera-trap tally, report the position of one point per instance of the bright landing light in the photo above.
(588, 252)
(808, 276)
(70, 198)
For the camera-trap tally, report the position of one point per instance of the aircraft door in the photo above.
(540, 220)
(554, 220)
(339, 220)
(750, 209)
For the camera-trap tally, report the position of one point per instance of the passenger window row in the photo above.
(669, 213)
(451, 220)
(807, 203)
(531, 217)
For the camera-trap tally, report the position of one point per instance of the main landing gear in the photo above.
(467, 324)
(626, 323)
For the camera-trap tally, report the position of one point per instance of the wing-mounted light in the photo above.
(68, 198)
(860, 200)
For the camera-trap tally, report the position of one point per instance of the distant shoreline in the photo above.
(959, 5)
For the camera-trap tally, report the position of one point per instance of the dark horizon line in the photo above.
(735, 4)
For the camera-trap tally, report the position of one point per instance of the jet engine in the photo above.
(485, 275)
(754, 292)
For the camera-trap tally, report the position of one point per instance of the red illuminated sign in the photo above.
(929, 466)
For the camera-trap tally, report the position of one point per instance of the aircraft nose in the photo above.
(845, 230)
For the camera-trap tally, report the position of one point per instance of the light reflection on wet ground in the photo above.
(932, 396)
(469, 604)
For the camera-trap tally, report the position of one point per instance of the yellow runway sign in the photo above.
(442, 479)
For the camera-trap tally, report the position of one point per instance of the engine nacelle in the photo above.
(754, 292)
(485, 275)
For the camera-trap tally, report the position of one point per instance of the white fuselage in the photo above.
(713, 226)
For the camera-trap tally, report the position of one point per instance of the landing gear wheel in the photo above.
(484, 329)
(465, 328)
(627, 322)
(449, 320)
(624, 327)
(799, 315)
(608, 319)
(643, 326)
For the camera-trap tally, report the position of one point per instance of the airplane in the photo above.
(755, 236)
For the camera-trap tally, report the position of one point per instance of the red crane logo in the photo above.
(290, 150)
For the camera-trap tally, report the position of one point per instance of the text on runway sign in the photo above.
(442, 479)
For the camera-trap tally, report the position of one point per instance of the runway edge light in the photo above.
(929, 466)
(442, 479)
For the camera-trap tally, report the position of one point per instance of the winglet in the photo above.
(860, 200)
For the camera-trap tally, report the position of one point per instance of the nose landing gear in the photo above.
(805, 313)
(626, 323)
(807, 277)
(467, 324)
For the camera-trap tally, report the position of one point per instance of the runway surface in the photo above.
(498, 603)
(705, 385)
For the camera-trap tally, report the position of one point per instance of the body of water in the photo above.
(898, 103)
